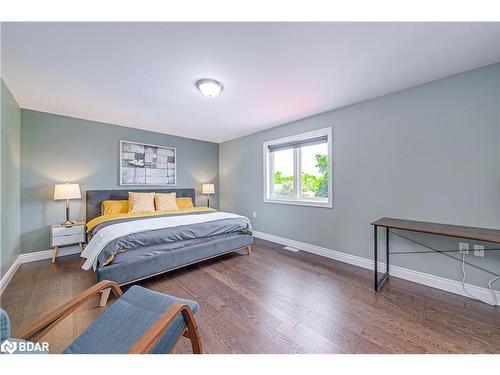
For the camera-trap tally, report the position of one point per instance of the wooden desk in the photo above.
(458, 231)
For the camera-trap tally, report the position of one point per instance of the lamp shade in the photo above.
(208, 189)
(67, 191)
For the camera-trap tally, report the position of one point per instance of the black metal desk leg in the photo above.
(376, 281)
(387, 249)
(375, 271)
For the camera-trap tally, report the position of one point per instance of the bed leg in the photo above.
(249, 249)
(104, 297)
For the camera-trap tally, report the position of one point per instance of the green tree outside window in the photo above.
(318, 185)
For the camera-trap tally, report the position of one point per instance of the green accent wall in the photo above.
(10, 180)
(55, 149)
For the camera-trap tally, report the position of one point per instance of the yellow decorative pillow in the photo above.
(165, 202)
(114, 207)
(141, 202)
(183, 203)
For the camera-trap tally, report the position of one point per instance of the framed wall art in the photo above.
(145, 164)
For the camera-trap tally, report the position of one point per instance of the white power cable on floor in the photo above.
(489, 286)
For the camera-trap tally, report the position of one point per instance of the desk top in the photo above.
(459, 231)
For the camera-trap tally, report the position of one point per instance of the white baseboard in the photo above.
(437, 282)
(33, 257)
(9, 274)
(47, 254)
(318, 250)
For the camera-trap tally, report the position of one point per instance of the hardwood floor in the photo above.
(276, 301)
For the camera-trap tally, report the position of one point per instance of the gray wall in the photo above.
(427, 153)
(10, 179)
(56, 148)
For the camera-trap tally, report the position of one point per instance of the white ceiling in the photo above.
(142, 75)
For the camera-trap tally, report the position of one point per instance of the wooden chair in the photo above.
(140, 321)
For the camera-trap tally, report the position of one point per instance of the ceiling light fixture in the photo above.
(209, 87)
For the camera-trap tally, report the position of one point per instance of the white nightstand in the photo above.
(62, 235)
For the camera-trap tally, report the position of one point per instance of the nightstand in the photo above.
(64, 235)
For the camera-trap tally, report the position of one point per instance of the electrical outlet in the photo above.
(254, 214)
(479, 250)
(463, 248)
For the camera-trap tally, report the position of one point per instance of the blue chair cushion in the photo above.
(119, 327)
(4, 325)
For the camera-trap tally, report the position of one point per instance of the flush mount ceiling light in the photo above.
(209, 87)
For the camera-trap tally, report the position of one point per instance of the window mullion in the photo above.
(297, 178)
(270, 176)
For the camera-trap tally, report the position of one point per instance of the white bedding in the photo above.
(112, 232)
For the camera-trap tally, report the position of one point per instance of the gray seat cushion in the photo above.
(119, 327)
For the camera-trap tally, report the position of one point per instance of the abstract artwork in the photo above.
(143, 164)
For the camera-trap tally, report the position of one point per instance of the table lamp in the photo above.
(208, 189)
(67, 191)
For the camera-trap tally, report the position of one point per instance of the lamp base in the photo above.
(68, 222)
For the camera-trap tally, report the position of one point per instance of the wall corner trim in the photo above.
(33, 257)
(426, 279)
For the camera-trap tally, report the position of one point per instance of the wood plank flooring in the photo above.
(276, 301)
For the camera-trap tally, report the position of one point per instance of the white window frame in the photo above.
(268, 171)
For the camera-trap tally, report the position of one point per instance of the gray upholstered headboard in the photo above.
(95, 198)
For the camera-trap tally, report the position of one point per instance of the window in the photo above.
(298, 169)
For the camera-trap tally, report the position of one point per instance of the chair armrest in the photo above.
(144, 344)
(39, 329)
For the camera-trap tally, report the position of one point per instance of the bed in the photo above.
(126, 250)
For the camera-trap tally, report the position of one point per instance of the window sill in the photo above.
(300, 203)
